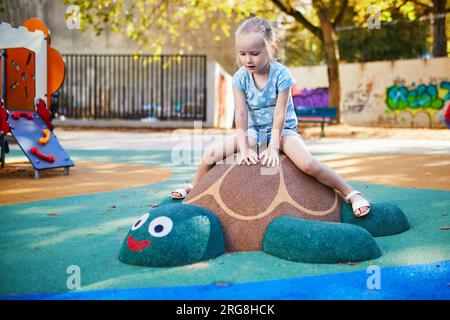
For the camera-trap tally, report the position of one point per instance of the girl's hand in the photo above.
(249, 156)
(270, 156)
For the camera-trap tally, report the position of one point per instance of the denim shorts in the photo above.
(262, 134)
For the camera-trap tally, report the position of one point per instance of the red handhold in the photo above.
(447, 114)
(37, 153)
(17, 115)
(44, 113)
(4, 125)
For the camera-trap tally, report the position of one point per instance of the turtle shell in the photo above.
(247, 198)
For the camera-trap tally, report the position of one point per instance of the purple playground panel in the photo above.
(27, 133)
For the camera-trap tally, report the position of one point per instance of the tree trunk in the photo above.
(328, 37)
(439, 36)
(331, 51)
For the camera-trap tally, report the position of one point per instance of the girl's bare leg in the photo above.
(214, 153)
(295, 148)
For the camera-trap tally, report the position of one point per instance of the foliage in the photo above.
(2, 6)
(401, 40)
(403, 34)
(156, 23)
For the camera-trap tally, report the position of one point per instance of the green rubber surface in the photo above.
(36, 249)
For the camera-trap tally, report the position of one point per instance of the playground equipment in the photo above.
(282, 212)
(31, 72)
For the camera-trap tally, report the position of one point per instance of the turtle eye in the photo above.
(160, 227)
(140, 222)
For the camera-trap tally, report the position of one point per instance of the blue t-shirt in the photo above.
(261, 102)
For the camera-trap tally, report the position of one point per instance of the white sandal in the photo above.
(358, 204)
(182, 192)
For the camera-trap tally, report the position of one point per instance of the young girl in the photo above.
(265, 114)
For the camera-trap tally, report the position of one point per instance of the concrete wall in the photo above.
(402, 93)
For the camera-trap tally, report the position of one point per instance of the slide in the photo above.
(38, 142)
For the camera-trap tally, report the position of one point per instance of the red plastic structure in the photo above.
(25, 114)
(37, 153)
(4, 125)
(44, 113)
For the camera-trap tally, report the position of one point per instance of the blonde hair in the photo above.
(262, 26)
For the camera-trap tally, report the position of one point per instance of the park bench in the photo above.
(322, 115)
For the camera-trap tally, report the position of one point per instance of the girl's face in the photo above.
(251, 49)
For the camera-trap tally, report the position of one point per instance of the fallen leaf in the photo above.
(153, 205)
(444, 228)
(53, 214)
(113, 207)
(350, 263)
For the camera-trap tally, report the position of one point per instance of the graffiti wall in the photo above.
(404, 93)
(427, 100)
(317, 97)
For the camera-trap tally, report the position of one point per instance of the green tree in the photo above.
(403, 39)
(413, 9)
(156, 23)
(329, 14)
(437, 8)
(302, 48)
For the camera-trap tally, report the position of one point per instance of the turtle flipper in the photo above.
(318, 242)
(384, 219)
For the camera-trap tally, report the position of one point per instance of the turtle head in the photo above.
(173, 235)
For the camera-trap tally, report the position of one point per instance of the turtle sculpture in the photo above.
(281, 211)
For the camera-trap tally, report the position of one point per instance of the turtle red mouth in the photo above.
(137, 245)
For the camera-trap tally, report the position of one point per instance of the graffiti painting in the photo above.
(316, 97)
(421, 101)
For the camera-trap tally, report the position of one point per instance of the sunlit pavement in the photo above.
(114, 140)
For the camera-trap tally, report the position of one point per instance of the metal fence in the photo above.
(132, 87)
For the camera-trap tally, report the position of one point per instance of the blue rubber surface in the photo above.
(425, 282)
